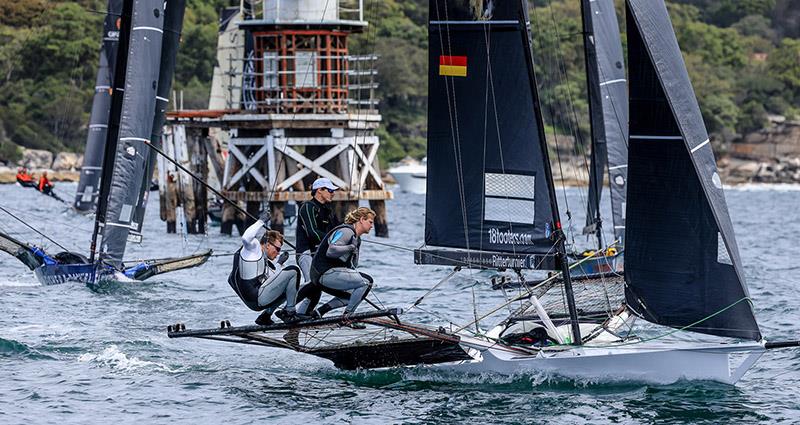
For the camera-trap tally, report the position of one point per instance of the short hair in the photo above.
(272, 236)
(359, 213)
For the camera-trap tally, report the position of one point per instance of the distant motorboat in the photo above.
(410, 174)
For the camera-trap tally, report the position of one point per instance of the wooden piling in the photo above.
(381, 221)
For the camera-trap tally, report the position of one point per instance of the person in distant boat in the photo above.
(24, 178)
(261, 281)
(333, 269)
(45, 186)
(315, 220)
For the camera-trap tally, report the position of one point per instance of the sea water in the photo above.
(73, 355)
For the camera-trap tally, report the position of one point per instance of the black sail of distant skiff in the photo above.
(489, 200)
(608, 105)
(135, 127)
(89, 183)
(173, 23)
(682, 263)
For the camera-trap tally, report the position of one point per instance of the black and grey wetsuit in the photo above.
(261, 284)
(314, 221)
(333, 271)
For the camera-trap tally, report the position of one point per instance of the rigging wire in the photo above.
(33, 228)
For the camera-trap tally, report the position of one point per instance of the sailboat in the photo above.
(489, 161)
(134, 111)
(608, 117)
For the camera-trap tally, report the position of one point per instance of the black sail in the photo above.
(608, 99)
(489, 186)
(173, 23)
(682, 263)
(135, 128)
(89, 183)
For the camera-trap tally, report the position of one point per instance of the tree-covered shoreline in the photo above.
(743, 57)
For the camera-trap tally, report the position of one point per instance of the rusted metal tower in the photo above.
(299, 108)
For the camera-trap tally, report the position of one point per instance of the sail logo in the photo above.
(453, 66)
(499, 237)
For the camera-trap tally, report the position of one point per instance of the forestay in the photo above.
(682, 263)
(488, 187)
(608, 104)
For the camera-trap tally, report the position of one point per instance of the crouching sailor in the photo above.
(261, 282)
(333, 269)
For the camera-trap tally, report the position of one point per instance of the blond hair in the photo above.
(272, 236)
(359, 213)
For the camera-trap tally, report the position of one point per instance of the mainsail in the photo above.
(608, 106)
(135, 127)
(173, 23)
(89, 183)
(682, 263)
(489, 199)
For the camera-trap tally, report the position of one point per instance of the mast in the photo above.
(558, 232)
(597, 159)
(88, 186)
(113, 125)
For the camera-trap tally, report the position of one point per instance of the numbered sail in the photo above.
(608, 103)
(488, 185)
(682, 263)
(89, 183)
(135, 127)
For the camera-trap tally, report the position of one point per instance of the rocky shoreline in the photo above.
(769, 156)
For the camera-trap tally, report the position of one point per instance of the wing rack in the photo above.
(385, 342)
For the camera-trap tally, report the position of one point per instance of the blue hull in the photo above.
(598, 265)
(54, 274)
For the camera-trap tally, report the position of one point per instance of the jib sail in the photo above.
(682, 263)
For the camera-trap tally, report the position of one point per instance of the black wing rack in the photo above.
(383, 342)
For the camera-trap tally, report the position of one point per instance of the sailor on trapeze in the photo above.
(261, 283)
(333, 269)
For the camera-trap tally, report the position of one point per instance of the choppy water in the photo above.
(72, 355)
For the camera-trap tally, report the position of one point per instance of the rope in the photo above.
(676, 330)
(34, 229)
(208, 186)
(526, 294)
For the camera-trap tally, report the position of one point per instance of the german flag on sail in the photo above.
(453, 66)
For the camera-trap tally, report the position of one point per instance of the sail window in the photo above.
(509, 198)
(722, 252)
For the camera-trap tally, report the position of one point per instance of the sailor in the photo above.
(260, 281)
(315, 220)
(44, 184)
(25, 179)
(333, 269)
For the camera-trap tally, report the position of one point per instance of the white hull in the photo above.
(641, 362)
(413, 182)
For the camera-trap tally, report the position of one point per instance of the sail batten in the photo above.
(488, 199)
(682, 263)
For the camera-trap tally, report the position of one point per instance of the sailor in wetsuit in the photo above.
(261, 282)
(315, 220)
(333, 269)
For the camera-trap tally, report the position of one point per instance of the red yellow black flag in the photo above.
(453, 66)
